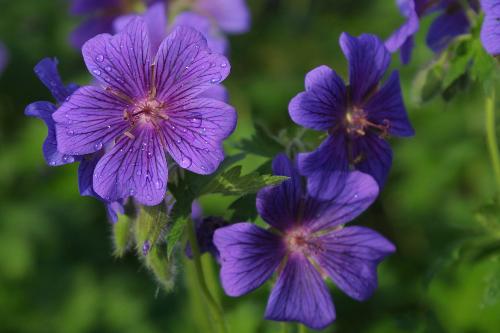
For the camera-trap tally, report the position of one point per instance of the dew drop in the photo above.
(150, 154)
(96, 72)
(203, 167)
(196, 122)
(70, 132)
(355, 196)
(179, 140)
(108, 69)
(184, 130)
(52, 163)
(131, 191)
(186, 162)
(206, 150)
(99, 58)
(148, 198)
(172, 127)
(138, 172)
(68, 159)
(212, 64)
(108, 127)
(98, 146)
(223, 65)
(158, 184)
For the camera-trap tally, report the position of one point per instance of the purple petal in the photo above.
(375, 156)
(490, 31)
(186, 67)
(46, 70)
(86, 175)
(387, 107)
(134, 167)
(300, 294)
(233, 16)
(279, 205)
(44, 110)
(408, 29)
(196, 212)
(218, 92)
(122, 62)
(445, 28)
(406, 50)
(368, 61)
(350, 257)
(216, 41)
(90, 28)
(358, 193)
(113, 209)
(323, 103)
(194, 133)
(88, 6)
(326, 168)
(249, 256)
(4, 57)
(90, 118)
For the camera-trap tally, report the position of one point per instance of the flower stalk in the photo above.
(491, 134)
(215, 308)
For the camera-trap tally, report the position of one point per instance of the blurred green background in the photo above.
(57, 272)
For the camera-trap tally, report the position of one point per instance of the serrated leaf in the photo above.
(175, 233)
(231, 182)
(458, 67)
(261, 143)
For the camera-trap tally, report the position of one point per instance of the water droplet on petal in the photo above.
(131, 191)
(108, 69)
(186, 162)
(223, 65)
(148, 198)
(99, 58)
(52, 163)
(138, 172)
(68, 159)
(158, 184)
(355, 196)
(196, 122)
(96, 72)
(179, 140)
(150, 154)
(98, 146)
(70, 132)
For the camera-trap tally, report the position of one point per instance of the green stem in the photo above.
(215, 308)
(302, 328)
(491, 134)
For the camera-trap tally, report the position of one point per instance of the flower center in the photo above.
(356, 123)
(300, 240)
(147, 111)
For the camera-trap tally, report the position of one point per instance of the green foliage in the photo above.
(231, 182)
(122, 235)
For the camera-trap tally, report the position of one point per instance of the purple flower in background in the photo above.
(451, 22)
(102, 15)
(306, 243)
(4, 57)
(205, 228)
(490, 31)
(232, 16)
(147, 105)
(357, 117)
(46, 70)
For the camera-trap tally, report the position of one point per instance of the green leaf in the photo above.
(150, 223)
(427, 83)
(231, 182)
(121, 235)
(458, 67)
(175, 233)
(261, 143)
(244, 208)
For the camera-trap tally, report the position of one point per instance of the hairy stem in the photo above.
(215, 308)
(491, 134)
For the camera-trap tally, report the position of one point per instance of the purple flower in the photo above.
(147, 106)
(305, 244)
(205, 228)
(4, 57)
(451, 22)
(357, 117)
(102, 15)
(232, 16)
(490, 32)
(46, 70)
